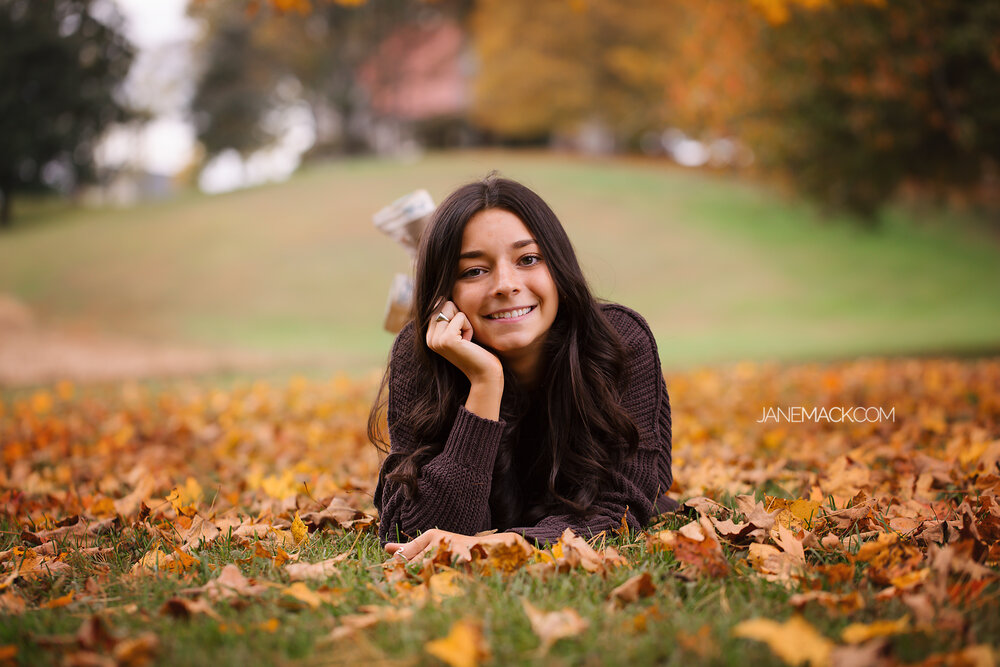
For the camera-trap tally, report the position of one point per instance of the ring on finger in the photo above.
(442, 318)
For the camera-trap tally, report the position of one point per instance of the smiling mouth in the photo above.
(511, 314)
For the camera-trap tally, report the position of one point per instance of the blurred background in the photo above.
(187, 186)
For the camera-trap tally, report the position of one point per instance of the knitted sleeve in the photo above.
(453, 488)
(637, 488)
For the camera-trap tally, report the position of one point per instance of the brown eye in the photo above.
(471, 273)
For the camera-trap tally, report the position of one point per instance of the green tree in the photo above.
(61, 69)
(252, 59)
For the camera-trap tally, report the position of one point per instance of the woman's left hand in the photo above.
(433, 538)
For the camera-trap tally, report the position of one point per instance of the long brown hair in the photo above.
(578, 429)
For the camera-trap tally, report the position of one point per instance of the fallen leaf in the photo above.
(463, 646)
(230, 583)
(319, 571)
(352, 623)
(841, 604)
(185, 608)
(270, 626)
(446, 584)
(136, 651)
(553, 625)
(303, 593)
(794, 641)
(299, 531)
(60, 601)
(11, 603)
(855, 633)
(639, 586)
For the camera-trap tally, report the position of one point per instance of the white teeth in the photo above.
(510, 313)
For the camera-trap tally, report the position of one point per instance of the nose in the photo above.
(507, 281)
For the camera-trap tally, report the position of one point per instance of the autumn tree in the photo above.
(551, 66)
(861, 97)
(62, 63)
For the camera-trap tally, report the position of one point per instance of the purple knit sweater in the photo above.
(454, 487)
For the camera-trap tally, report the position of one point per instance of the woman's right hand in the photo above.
(453, 341)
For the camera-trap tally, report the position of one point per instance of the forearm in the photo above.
(453, 489)
(484, 397)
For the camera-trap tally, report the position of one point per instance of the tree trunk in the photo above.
(4, 208)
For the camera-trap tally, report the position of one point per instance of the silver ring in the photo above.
(441, 318)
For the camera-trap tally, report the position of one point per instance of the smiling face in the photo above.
(505, 289)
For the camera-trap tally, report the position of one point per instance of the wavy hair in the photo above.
(571, 428)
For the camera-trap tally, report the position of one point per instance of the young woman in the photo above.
(516, 401)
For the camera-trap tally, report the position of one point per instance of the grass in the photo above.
(673, 616)
(723, 270)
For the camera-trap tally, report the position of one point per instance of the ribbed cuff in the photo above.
(474, 441)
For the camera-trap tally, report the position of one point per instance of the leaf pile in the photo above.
(248, 512)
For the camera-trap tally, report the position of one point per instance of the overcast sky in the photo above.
(161, 80)
(153, 23)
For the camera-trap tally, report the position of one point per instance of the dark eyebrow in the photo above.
(472, 254)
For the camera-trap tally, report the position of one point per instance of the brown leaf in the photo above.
(841, 604)
(552, 626)
(350, 624)
(136, 651)
(638, 586)
(201, 533)
(320, 571)
(230, 583)
(186, 608)
(11, 603)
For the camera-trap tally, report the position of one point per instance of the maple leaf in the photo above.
(697, 548)
(11, 603)
(186, 608)
(445, 584)
(463, 646)
(201, 533)
(371, 614)
(553, 625)
(299, 591)
(794, 641)
(229, 584)
(844, 604)
(322, 570)
(855, 633)
(638, 586)
(299, 531)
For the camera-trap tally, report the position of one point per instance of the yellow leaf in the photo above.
(60, 601)
(303, 593)
(806, 510)
(299, 531)
(794, 641)
(65, 390)
(270, 625)
(446, 584)
(191, 492)
(41, 402)
(870, 550)
(464, 646)
(855, 633)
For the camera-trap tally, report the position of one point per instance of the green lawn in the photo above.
(722, 270)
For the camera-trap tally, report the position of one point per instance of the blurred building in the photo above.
(418, 84)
